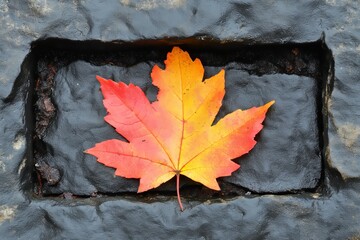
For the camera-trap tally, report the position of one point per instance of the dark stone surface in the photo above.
(292, 162)
(331, 212)
(287, 155)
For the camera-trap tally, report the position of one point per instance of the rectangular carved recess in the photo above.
(68, 113)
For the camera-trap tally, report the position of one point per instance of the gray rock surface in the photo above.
(332, 212)
(286, 158)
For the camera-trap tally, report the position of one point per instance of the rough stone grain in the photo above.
(291, 162)
(333, 212)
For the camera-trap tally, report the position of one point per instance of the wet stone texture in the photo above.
(292, 162)
(301, 181)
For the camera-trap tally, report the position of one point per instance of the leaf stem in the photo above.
(178, 191)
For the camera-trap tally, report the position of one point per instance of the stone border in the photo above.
(310, 216)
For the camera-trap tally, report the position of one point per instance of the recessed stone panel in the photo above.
(287, 156)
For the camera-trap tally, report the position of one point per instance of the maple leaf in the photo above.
(174, 135)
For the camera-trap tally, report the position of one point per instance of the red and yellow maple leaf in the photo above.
(174, 136)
